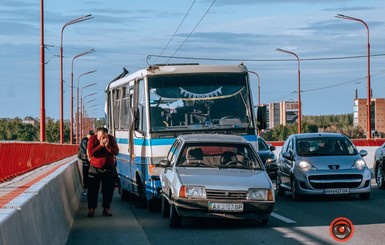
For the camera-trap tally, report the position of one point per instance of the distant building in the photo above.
(377, 114)
(282, 113)
(29, 120)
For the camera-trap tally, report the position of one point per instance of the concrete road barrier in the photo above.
(44, 213)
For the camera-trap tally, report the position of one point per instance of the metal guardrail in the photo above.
(356, 142)
(17, 158)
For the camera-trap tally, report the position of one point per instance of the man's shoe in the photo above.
(106, 212)
(91, 212)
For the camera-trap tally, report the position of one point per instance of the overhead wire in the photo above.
(188, 36)
(177, 29)
(265, 60)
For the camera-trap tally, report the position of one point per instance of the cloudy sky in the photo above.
(125, 32)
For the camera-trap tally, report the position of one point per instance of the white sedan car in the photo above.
(211, 175)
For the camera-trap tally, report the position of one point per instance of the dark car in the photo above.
(268, 157)
(378, 166)
(322, 164)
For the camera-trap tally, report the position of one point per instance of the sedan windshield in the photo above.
(330, 146)
(219, 156)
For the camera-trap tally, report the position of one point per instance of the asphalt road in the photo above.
(292, 222)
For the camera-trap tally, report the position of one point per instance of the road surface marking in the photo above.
(284, 219)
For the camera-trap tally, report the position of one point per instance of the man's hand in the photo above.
(104, 142)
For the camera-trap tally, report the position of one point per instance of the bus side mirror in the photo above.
(261, 117)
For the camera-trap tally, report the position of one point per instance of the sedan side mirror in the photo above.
(164, 163)
(363, 153)
(272, 148)
(288, 155)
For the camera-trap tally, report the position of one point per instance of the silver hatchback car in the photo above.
(212, 175)
(322, 163)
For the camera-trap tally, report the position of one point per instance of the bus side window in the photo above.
(126, 107)
(141, 106)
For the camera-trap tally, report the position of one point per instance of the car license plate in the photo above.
(337, 191)
(226, 207)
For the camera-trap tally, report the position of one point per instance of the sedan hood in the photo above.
(224, 178)
(331, 162)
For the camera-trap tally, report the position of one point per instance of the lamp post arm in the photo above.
(369, 96)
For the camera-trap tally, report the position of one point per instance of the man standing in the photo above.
(102, 149)
(82, 155)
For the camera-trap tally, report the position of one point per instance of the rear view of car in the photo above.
(322, 163)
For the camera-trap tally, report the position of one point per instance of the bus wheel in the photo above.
(124, 195)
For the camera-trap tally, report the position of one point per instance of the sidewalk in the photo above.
(121, 228)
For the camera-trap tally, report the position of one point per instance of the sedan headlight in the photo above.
(260, 194)
(306, 166)
(359, 164)
(192, 191)
(273, 158)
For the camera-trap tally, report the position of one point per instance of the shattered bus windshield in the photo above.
(199, 101)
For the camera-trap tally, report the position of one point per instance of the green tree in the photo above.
(325, 123)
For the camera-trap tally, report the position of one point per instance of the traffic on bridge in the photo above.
(192, 122)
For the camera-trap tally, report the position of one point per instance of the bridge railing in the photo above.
(17, 158)
(356, 142)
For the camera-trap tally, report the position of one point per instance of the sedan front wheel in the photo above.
(279, 189)
(165, 207)
(175, 218)
(294, 193)
(380, 177)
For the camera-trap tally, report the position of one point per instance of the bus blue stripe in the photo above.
(167, 141)
(148, 142)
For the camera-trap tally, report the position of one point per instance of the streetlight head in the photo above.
(340, 16)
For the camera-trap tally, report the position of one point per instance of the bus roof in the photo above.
(178, 69)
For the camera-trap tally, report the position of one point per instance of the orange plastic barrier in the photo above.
(17, 158)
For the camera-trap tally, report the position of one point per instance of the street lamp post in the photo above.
(42, 74)
(87, 112)
(259, 95)
(72, 96)
(77, 104)
(80, 19)
(299, 87)
(259, 87)
(81, 107)
(341, 16)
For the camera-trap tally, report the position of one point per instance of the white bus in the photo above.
(148, 109)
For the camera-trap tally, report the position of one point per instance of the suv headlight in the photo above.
(260, 194)
(359, 164)
(306, 166)
(192, 191)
